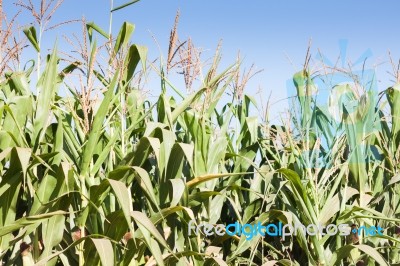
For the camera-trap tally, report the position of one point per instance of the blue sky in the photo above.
(266, 32)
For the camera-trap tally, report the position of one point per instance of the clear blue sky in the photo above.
(266, 32)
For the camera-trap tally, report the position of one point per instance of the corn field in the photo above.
(93, 171)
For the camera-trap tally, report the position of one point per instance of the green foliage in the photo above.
(122, 188)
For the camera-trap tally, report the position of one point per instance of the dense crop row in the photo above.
(115, 178)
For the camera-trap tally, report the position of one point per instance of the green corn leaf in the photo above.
(92, 26)
(47, 89)
(344, 252)
(30, 33)
(16, 116)
(96, 129)
(115, 225)
(124, 36)
(105, 250)
(121, 192)
(178, 188)
(124, 5)
(185, 104)
(52, 231)
(20, 223)
(143, 178)
(147, 227)
(19, 82)
(200, 179)
(136, 53)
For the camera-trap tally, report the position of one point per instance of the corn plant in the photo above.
(102, 175)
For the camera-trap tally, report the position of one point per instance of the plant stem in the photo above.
(39, 54)
(1, 26)
(110, 37)
(111, 17)
(82, 227)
